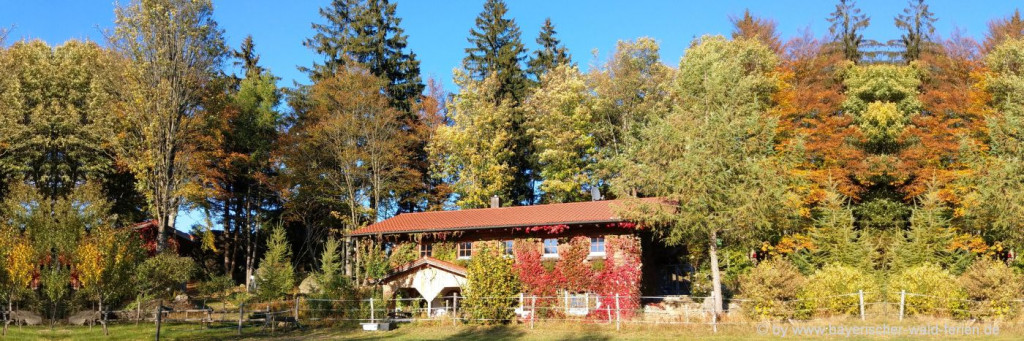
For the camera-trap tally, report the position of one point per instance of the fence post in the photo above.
(618, 313)
(159, 305)
(861, 295)
(297, 309)
(903, 302)
(372, 316)
(533, 310)
(138, 310)
(455, 307)
(241, 315)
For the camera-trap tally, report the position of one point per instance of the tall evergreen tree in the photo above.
(246, 57)
(497, 52)
(550, 55)
(367, 32)
(847, 24)
(917, 24)
(497, 49)
(760, 29)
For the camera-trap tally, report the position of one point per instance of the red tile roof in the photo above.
(504, 217)
(431, 261)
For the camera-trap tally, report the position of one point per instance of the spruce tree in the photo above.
(497, 49)
(497, 52)
(847, 24)
(276, 276)
(367, 32)
(550, 55)
(917, 24)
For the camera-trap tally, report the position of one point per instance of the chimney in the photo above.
(495, 202)
(595, 193)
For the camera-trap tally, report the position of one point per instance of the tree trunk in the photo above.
(716, 275)
(230, 239)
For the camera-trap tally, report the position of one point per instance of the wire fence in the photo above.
(618, 310)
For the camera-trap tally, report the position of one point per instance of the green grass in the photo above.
(446, 331)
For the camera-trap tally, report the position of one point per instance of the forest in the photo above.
(792, 168)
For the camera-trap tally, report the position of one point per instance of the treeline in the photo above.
(816, 151)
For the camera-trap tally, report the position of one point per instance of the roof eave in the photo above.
(489, 227)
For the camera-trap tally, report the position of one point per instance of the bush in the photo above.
(995, 285)
(833, 291)
(164, 274)
(766, 288)
(930, 290)
(493, 286)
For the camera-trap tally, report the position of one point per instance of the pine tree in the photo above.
(497, 49)
(276, 276)
(917, 24)
(550, 55)
(847, 23)
(498, 53)
(247, 58)
(367, 32)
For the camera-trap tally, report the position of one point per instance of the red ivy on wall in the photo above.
(573, 273)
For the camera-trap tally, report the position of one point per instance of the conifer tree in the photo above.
(497, 49)
(276, 276)
(497, 52)
(550, 55)
(367, 32)
(847, 24)
(917, 24)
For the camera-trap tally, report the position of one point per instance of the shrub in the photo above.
(768, 286)
(995, 285)
(930, 290)
(492, 288)
(164, 274)
(833, 291)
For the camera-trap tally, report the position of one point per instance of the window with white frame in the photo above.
(465, 250)
(551, 247)
(597, 246)
(426, 250)
(507, 245)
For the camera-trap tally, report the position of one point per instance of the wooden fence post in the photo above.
(241, 314)
(861, 295)
(903, 301)
(297, 309)
(159, 313)
(533, 310)
(372, 316)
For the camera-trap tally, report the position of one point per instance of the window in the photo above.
(596, 246)
(550, 247)
(507, 248)
(465, 249)
(426, 250)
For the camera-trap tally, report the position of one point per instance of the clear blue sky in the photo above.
(438, 29)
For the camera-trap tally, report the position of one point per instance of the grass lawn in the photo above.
(445, 331)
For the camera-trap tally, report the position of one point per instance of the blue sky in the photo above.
(438, 29)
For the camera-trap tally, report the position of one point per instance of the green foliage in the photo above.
(834, 235)
(216, 286)
(445, 251)
(164, 275)
(767, 287)
(493, 287)
(847, 23)
(496, 50)
(560, 121)
(368, 33)
(276, 274)
(996, 286)
(403, 253)
(551, 54)
(833, 290)
(930, 291)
